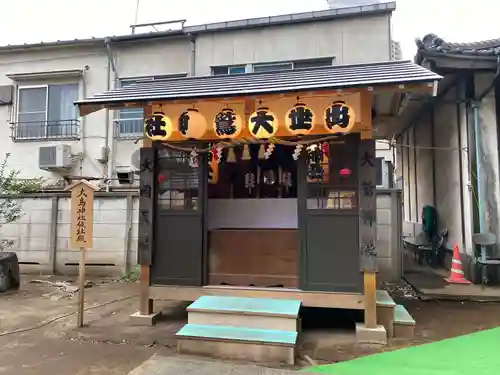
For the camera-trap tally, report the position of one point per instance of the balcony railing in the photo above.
(46, 130)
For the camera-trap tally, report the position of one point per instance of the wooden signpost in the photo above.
(81, 231)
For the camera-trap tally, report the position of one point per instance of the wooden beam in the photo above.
(352, 301)
(370, 299)
(146, 220)
(146, 303)
(367, 227)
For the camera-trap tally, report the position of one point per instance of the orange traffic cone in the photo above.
(457, 272)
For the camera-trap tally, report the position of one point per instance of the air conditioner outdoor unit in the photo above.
(54, 157)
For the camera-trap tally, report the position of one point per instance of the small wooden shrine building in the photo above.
(263, 184)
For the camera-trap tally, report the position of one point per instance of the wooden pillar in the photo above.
(367, 227)
(147, 208)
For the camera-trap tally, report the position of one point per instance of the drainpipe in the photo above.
(479, 171)
(84, 121)
(192, 39)
(110, 142)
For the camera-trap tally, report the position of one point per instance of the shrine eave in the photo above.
(343, 77)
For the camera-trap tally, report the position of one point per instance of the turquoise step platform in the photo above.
(402, 316)
(238, 334)
(255, 306)
(384, 299)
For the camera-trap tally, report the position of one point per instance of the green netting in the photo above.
(476, 354)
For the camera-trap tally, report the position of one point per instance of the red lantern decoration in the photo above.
(345, 172)
(161, 179)
(213, 166)
(325, 149)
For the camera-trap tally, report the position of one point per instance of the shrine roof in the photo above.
(223, 86)
(434, 45)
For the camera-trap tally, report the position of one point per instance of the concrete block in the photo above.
(144, 320)
(384, 201)
(237, 351)
(383, 217)
(385, 317)
(404, 332)
(365, 335)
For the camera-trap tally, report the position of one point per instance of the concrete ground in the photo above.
(110, 345)
(430, 284)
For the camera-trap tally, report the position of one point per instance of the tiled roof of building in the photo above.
(432, 44)
(334, 77)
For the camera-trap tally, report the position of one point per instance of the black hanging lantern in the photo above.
(192, 124)
(158, 127)
(339, 117)
(227, 124)
(300, 119)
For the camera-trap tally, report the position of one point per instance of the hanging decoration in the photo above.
(231, 156)
(227, 124)
(269, 150)
(325, 160)
(245, 155)
(339, 117)
(218, 153)
(345, 172)
(161, 179)
(285, 179)
(192, 124)
(263, 123)
(315, 171)
(193, 159)
(213, 167)
(297, 152)
(250, 182)
(300, 119)
(262, 152)
(158, 127)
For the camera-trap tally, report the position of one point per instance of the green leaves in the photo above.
(11, 185)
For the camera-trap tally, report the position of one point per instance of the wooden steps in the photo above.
(404, 324)
(249, 329)
(385, 311)
(245, 312)
(395, 318)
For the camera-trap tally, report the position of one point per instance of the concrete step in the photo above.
(404, 324)
(237, 343)
(256, 313)
(385, 311)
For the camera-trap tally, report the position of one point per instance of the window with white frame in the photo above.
(290, 65)
(131, 120)
(231, 69)
(46, 112)
(272, 66)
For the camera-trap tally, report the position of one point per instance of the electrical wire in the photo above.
(52, 320)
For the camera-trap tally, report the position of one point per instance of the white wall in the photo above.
(252, 214)
(116, 231)
(114, 243)
(442, 176)
(24, 154)
(351, 40)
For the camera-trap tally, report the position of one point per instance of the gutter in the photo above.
(110, 143)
